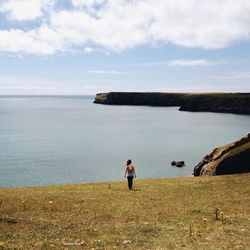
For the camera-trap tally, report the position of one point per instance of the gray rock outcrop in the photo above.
(233, 158)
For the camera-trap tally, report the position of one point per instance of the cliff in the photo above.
(238, 103)
(233, 158)
(138, 98)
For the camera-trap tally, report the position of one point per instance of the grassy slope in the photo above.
(156, 216)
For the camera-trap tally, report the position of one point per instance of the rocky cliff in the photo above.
(139, 98)
(232, 158)
(238, 103)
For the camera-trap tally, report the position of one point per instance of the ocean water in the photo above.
(57, 140)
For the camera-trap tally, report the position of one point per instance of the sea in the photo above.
(51, 140)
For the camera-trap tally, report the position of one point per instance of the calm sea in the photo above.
(56, 140)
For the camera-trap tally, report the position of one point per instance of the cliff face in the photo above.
(224, 103)
(238, 103)
(232, 158)
(137, 98)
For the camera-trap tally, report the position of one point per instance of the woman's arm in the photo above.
(134, 172)
(126, 170)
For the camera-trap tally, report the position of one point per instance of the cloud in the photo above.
(116, 25)
(42, 41)
(87, 3)
(180, 62)
(108, 72)
(25, 10)
(88, 50)
(147, 63)
(197, 62)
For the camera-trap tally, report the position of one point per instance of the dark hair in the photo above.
(129, 162)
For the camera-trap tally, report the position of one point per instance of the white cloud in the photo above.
(88, 50)
(25, 10)
(108, 72)
(42, 41)
(87, 3)
(180, 62)
(197, 62)
(147, 63)
(116, 25)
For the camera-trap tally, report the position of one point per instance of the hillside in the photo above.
(238, 103)
(160, 214)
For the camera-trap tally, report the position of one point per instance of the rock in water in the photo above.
(178, 164)
(233, 158)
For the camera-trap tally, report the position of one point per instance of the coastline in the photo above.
(92, 183)
(236, 103)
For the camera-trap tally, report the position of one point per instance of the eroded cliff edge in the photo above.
(233, 158)
(238, 103)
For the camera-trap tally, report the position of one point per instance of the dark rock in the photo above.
(178, 164)
(137, 98)
(233, 158)
(238, 103)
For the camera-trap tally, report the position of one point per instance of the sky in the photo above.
(77, 47)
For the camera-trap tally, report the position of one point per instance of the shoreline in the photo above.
(94, 183)
(106, 183)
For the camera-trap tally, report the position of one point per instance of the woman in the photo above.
(130, 173)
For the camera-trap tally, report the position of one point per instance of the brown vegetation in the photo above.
(181, 213)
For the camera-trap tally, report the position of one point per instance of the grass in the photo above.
(240, 149)
(160, 214)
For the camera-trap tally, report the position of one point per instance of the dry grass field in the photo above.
(169, 213)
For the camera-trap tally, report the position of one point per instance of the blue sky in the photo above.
(90, 46)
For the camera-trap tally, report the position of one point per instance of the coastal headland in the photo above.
(237, 103)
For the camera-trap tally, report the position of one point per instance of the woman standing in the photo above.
(130, 173)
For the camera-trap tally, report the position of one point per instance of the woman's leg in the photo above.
(130, 182)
